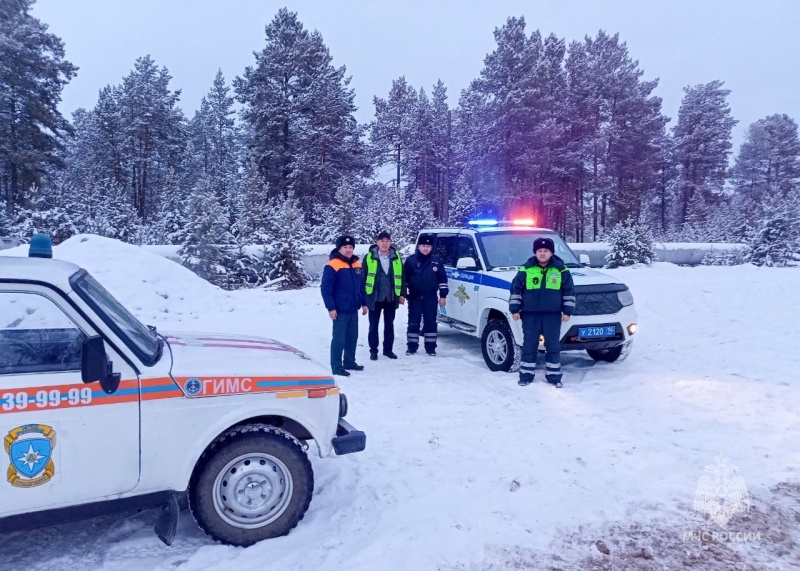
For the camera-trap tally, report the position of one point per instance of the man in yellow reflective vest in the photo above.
(542, 295)
(383, 287)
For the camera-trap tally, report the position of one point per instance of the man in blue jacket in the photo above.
(542, 295)
(425, 288)
(343, 294)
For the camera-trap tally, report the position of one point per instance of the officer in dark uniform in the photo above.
(542, 295)
(425, 288)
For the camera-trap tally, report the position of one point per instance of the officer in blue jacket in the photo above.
(343, 294)
(542, 295)
(425, 288)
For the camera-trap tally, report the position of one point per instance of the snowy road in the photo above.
(466, 470)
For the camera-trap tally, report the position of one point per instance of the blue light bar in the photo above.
(483, 222)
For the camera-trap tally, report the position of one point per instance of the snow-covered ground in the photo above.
(464, 470)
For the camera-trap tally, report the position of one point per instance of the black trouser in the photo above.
(345, 337)
(388, 308)
(422, 309)
(549, 325)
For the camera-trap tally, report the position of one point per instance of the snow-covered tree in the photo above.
(300, 110)
(768, 163)
(702, 138)
(630, 244)
(39, 217)
(33, 73)
(5, 221)
(208, 244)
(392, 131)
(286, 255)
(462, 204)
(777, 238)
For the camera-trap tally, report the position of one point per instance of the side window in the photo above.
(445, 249)
(36, 336)
(466, 249)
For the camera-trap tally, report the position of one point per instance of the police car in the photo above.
(482, 260)
(100, 413)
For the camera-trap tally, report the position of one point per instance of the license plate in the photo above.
(595, 332)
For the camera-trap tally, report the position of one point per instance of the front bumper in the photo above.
(348, 439)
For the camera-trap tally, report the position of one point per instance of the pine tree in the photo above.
(153, 133)
(392, 132)
(32, 75)
(40, 217)
(5, 221)
(702, 138)
(300, 112)
(208, 246)
(613, 151)
(630, 243)
(212, 149)
(286, 255)
(462, 204)
(768, 163)
(776, 241)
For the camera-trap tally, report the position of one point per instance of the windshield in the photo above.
(506, 249)
(142, 340)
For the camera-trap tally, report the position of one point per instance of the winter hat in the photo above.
(425, 239)
(345, 241)
(545, 243)
(383, 235)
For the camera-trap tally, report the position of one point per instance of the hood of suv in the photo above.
(214, 355)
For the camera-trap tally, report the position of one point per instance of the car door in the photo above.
(464, 283)
(64, 442)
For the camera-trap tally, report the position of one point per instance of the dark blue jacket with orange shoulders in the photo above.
(343, 284)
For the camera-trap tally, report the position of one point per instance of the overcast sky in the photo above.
(749, 44)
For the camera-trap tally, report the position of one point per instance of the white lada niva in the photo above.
(99, 413)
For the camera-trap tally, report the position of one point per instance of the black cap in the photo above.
(345, 240)
(383, 235)
(545, 243)
(425, 239)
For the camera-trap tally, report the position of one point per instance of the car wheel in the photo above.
(253, 483)
(499, 350)
(618, 353)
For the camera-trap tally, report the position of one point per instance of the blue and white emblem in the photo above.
(192, 386)
(30, 450)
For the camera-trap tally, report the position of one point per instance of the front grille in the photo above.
(598, 299)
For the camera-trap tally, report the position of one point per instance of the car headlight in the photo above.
(342, 405)
(625, 297)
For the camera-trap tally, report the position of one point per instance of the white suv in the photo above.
(99, 412)
(482, 261)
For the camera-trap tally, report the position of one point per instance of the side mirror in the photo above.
(95, 366)
(466, 264)
(584, 258)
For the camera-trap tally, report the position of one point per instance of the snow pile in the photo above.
(464, 470)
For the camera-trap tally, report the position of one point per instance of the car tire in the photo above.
(253, 483)
(618, 353)
(500, 352)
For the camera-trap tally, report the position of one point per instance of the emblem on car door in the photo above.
(461, 295)
(30, 449)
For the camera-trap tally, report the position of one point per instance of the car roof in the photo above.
(47, 270)
(483, 229)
